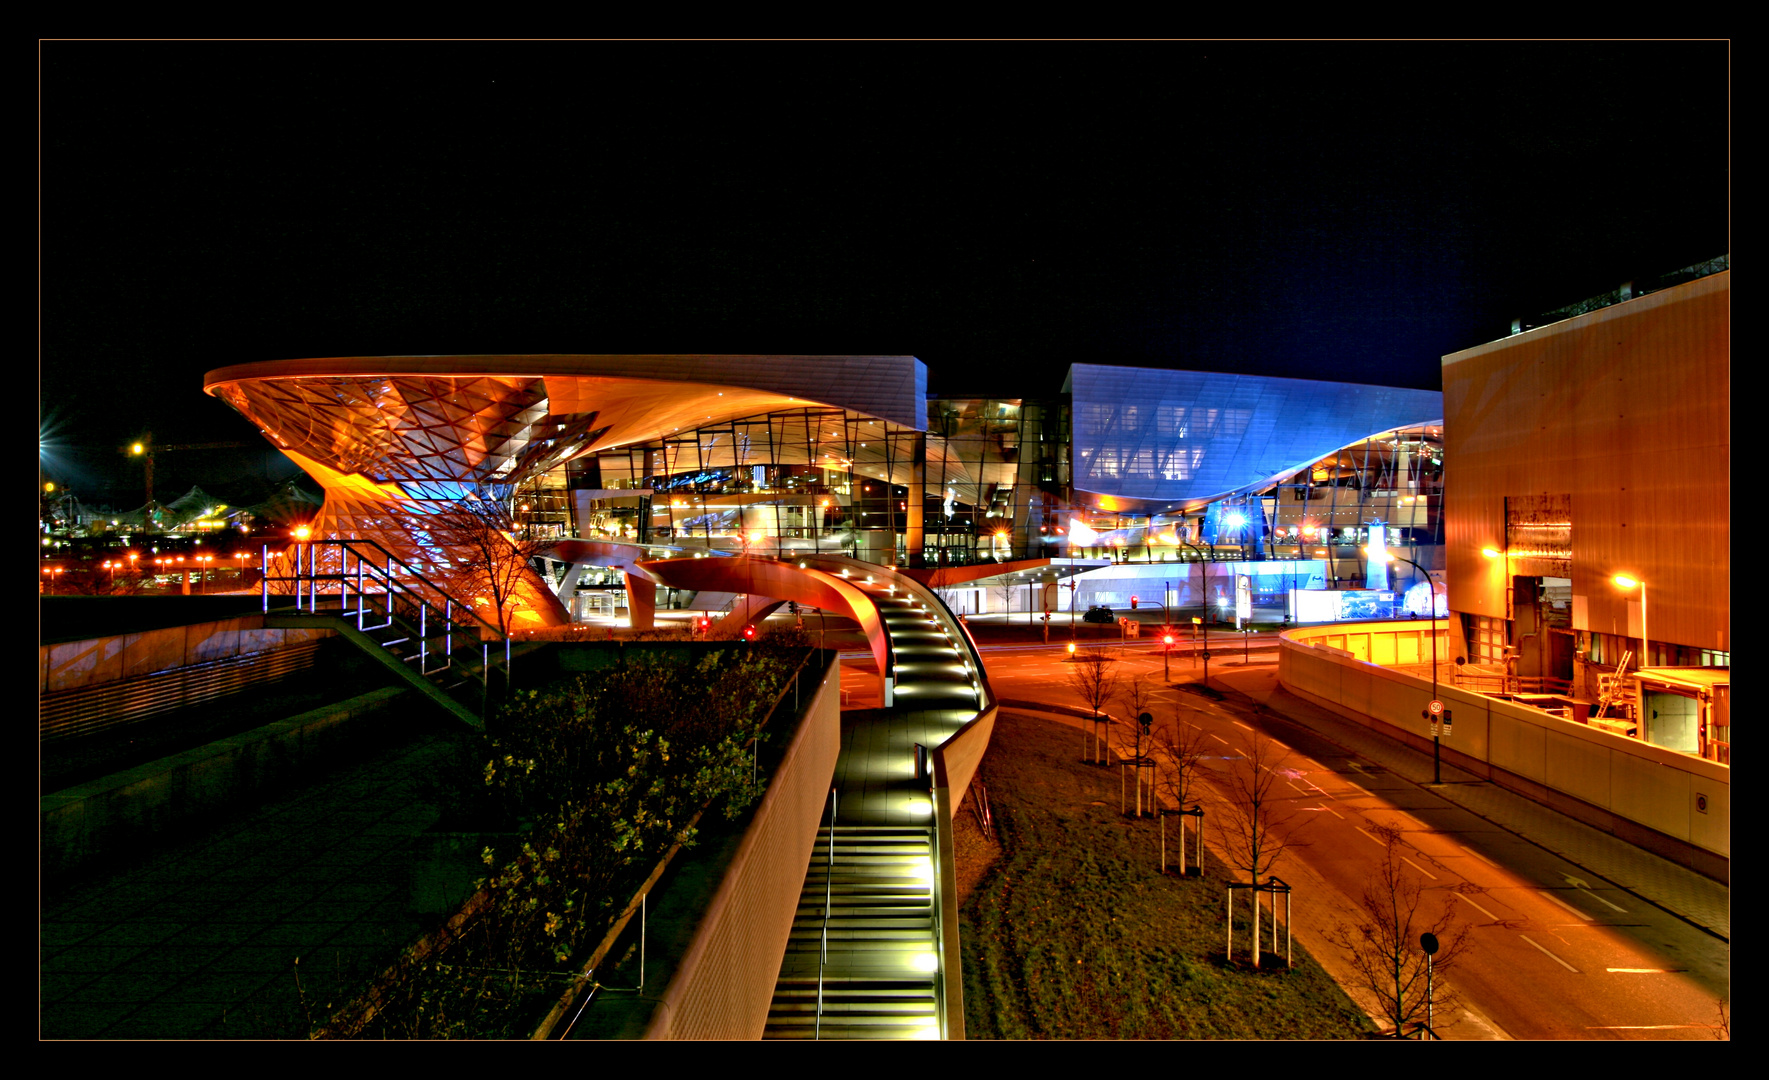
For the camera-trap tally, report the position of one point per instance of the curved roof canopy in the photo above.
(500, 418)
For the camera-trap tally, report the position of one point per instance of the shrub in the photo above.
(605, 773)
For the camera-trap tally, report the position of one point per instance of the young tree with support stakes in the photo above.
(1383, 945)
(1093, 675)
(1138, 699)
(1179, 748)
(1255, 820)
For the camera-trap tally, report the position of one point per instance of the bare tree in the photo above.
(1383, 944)
(1138, 698)
(1093, 674)
(487, 565)
(1255, 822)
(1004, 595)
(1178, 750)
(1181, 747)
(942, 582)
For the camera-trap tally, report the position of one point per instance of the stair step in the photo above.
(907, 935)
(850, 1011)
(853, 1028)
(794, 988)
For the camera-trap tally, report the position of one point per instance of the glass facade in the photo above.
(990, 480)
(734, 454)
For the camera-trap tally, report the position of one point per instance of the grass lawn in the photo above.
(1070, 931)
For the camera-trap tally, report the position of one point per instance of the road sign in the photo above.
(1436, 707)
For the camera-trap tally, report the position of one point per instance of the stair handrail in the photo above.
(1613, 684)
(828, 899)
(443, 603)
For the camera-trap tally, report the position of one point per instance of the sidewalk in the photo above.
(1698, 900)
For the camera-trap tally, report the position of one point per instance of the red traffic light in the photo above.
(1166, 639)
(749, 633)
(1133, 603)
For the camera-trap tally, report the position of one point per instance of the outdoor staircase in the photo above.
(430, 641)
(929, 670)
(880, 980)
(1613, 687)
(866, 953)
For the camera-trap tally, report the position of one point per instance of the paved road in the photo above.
(1557, 951)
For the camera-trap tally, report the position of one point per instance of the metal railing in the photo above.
(380, 591)
(86, 709)
(828, 900)
(1495, 683)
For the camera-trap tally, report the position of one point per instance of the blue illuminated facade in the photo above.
(1186, 438)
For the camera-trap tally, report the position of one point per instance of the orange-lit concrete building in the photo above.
(1594, 447)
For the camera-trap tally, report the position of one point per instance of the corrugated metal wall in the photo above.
(1626, 411)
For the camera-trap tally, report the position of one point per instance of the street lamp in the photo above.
(1436, 766)
(1623, 581)
(1205, 621)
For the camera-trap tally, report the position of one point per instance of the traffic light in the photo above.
(1167, 639)
(749, 633)
(1133, 603)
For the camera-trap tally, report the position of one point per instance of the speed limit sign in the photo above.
(1435, 708)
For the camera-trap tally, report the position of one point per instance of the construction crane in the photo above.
(145, 449)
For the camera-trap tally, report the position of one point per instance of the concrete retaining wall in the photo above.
(83, 823)
(70, 665)
(1674, 804)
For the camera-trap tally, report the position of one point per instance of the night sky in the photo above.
(1000, 210)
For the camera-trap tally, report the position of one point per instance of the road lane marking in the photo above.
(1417, 824)
(1238, 724)
(1564, 904)
(1296, 789)
(1373, 840)
(1479, 856)
(1548, 954)
(1600, 900)
(1419, 868)
(1218, 738)
(1477, 907)
(1357, 789)
(1332, 811)
(1649, 971)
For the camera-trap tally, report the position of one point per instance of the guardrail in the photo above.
(378, 591)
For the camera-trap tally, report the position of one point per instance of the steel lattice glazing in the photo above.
(397, 441)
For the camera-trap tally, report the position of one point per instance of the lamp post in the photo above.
(1623, 581)
(1206, 619)
(1436, 763)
